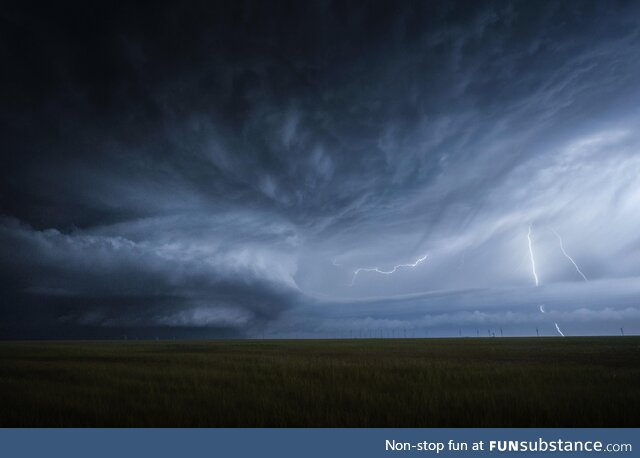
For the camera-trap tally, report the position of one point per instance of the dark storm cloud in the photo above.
(113, 281)
(231, 164)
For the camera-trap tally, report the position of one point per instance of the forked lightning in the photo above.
(569, 257)
(385, 272)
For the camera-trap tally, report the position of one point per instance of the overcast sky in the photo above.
(319, 169)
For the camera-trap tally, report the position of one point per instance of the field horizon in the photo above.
(379, 382)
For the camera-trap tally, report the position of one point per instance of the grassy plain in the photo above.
(487, 382)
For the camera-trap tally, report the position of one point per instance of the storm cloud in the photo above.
(224, 168)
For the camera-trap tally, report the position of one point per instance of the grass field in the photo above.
(567, 382)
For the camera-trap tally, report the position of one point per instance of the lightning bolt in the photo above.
(533, 261)
(386, 272)
(569, 257)
(535, 276)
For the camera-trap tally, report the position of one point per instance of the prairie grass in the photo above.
(490, 382)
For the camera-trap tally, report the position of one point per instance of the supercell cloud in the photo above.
(224, 169)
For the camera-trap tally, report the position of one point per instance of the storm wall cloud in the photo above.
(224, 168)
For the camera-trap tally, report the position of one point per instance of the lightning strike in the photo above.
(569, 257)
(533, 261)
(386, 272)
(535, 276)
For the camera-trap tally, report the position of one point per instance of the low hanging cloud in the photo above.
(101, 280)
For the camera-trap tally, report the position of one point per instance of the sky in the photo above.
(319, 169)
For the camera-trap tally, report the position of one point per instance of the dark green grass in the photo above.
(405, 382)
